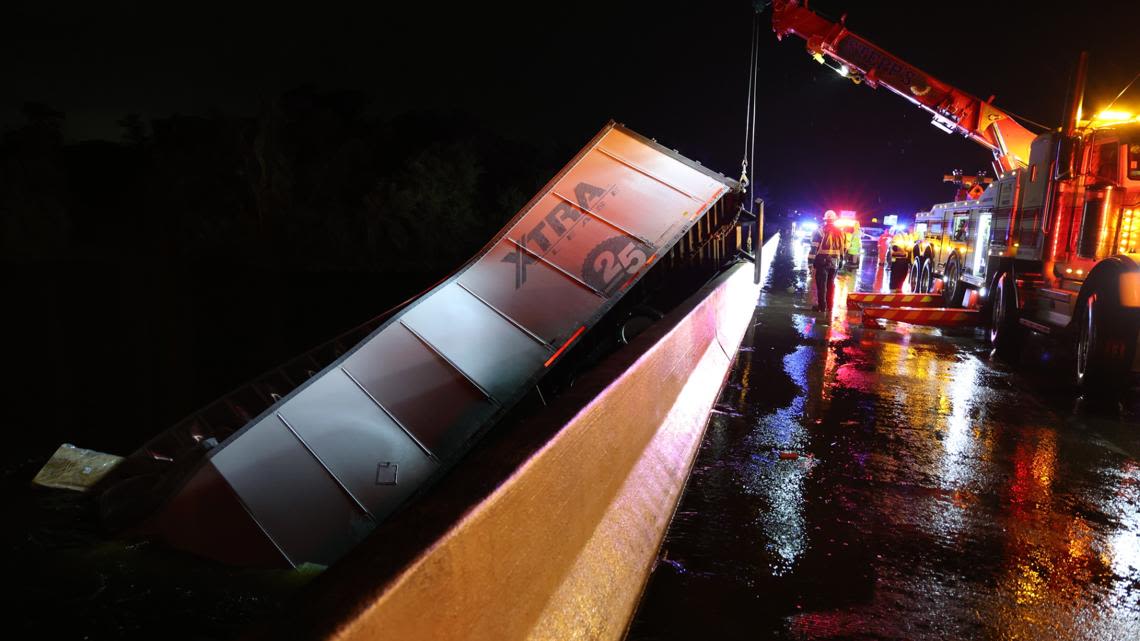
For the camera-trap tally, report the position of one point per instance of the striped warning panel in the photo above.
(934, 316)
(893, 300)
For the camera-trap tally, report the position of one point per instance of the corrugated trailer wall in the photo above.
(314, 454)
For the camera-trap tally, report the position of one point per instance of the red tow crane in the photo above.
(954, 110)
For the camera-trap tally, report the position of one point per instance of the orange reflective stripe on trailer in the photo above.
(935, 316)
(893, 300)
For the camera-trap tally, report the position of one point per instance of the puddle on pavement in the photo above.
(897, 484)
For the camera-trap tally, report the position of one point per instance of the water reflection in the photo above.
(781, 481)
(1125, 544)
(960, 442)
(941, 499)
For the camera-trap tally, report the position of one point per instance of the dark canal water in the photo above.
(105, 356)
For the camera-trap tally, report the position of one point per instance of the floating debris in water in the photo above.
(74, 468)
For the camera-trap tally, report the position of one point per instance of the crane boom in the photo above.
(954, 110)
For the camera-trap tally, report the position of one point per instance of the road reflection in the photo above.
(895, 484)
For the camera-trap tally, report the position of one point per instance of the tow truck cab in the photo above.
(1066, 248)
(1067, 239)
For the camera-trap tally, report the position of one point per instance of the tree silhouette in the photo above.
(33, 187)
(198, 251)
(134, 130)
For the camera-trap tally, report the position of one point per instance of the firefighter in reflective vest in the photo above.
(854, 244)
(900, 258)
(827, 250)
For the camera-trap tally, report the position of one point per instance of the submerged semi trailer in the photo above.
(301, 464)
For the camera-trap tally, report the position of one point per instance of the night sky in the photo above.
(559, 70)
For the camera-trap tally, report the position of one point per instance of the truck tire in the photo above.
(912, 276)
(926, 276)
(952, 288)
(1005, 331)
(1101, 368)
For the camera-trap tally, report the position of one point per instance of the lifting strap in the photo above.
(748, 163)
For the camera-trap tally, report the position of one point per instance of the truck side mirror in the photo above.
(1066, 153)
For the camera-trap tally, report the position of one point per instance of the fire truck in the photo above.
(1052, 245)
(952, 241)
(952, 247)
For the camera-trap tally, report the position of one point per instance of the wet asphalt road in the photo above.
(899, 484)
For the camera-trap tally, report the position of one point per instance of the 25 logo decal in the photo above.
(611, 263)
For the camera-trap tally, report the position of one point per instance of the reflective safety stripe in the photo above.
(939, 317)
(894, 300)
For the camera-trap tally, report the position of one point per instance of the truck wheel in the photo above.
(1005, 334)
(926, 276)
(912, 276)
(1101, 370)
(952, 289)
